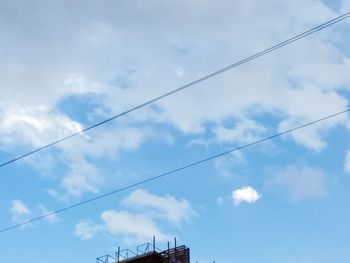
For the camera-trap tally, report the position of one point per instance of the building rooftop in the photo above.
(148, 253)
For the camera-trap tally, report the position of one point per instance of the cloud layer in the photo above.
(93, 64)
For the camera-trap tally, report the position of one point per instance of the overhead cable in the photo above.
(176, 170)
(211, 75)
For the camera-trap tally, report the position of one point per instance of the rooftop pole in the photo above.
(154, 244)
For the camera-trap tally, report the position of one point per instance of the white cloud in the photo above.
(19, 211)
(300, 112)
(245, 131)
(140, 226)
(176, 211)
(82, 157)
(85, 230)
(82, 177)
(34, 126)
(245, 194)
(134, 228)
(231, 166)
(301, 182)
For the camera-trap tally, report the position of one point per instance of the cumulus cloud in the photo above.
(300, 182)
(139, 226)
(245, 194)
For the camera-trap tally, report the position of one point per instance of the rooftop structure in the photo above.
(148, 253)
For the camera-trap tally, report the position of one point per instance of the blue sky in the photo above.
(66, 65)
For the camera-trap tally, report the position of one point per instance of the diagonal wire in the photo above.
(211, 75)
(189, 165)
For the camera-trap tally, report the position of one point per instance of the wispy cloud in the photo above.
(133, 227)
(138, 226)
(19, 211)
(300, 182)
(53, 218)
(142, 225)
(231, 166)
(86, 230)
(168, 207)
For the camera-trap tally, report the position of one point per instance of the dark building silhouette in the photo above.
(148, 253)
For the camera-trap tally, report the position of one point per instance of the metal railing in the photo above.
(171, 255)
(105, 259)
(124, 254)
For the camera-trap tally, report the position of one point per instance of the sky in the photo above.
(66, 65)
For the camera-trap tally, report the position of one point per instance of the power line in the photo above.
(173, 171)
(211, 75)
